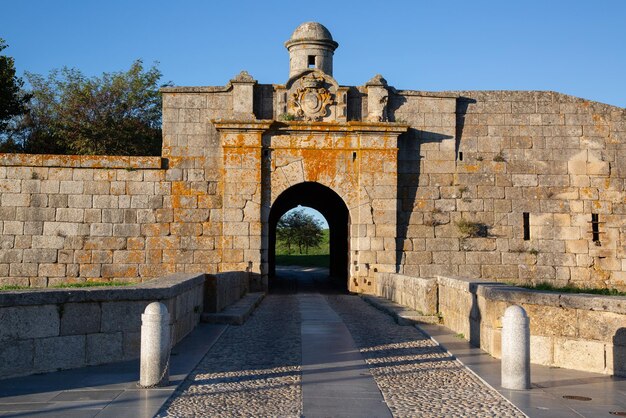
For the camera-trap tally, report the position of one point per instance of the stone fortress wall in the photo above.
(557, 158)
(66, 217)
(407, 164)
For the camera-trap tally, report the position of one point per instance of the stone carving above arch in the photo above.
(311, 100)
(311, 95)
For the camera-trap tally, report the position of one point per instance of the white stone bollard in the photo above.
(155, 346)
(515, 348)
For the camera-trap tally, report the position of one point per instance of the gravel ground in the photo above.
(253, 370)
(416, 377)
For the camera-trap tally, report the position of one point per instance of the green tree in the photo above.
(12, 99)
(301, 230)
(114, 114)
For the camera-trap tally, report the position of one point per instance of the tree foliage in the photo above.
(114, 114)
(301, 230)
(12, 99)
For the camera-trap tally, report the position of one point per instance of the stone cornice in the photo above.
(353, 126)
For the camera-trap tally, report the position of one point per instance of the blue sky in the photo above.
(574, 47)
(311, 212)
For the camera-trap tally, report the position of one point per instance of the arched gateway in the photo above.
(331, 206)
(348, 171)
(309, 153)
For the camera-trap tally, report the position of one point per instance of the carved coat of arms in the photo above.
(311, 99)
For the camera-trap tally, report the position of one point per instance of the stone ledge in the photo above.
(198, 89)
(157, 289)
(513, 294)
(81, 161)
(237, 313)
(463, 283)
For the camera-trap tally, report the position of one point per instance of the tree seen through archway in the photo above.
(302, 238)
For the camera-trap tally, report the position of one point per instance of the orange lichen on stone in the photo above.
(471, 168)
(320, 164)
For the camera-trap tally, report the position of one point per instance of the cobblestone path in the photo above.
(416, 377)
(254, 370)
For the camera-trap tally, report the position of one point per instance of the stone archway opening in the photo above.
(333, 209)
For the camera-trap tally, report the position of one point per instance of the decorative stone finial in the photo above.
(377, 80)
(243, 77)
(377, 97)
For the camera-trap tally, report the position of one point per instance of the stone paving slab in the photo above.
(103, 391)
(237, 313)
(549, 384)
(335, 379)
(416, 376)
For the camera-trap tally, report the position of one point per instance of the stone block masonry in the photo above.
(542, 172)
(574, 331)
(50, 329)
(71, 218)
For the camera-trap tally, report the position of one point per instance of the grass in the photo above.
(92, 284)
(12, 287)
(323, 249)
(499, 158)
(304, 260)
(317, 257)
(571, 289)
(472, 229)
(69, 285)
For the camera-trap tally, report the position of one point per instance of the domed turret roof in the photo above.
(312, 32)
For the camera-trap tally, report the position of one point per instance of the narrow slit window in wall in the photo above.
(460, 155)
(526, 226)
(595, 228)
(311, 61)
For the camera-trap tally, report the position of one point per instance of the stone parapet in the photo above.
(80, 161)
(576, 331)
(417, 293)
(51, 329)
(224, 289)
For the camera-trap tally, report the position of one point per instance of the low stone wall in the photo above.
(574, 331)
(417, 293)
(47, 330)
(224, 289)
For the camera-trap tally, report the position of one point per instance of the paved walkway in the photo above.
(104, 391)
(306, 354)
(313, 355)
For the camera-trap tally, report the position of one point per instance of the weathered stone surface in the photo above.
(16, 357)
(104, 348)
(59, 352)
(80, 318)
(26, 322)
(585, 355)
(474, 307)
(131, 311)
(91, 322)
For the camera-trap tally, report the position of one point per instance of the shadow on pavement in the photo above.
(298, 279)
